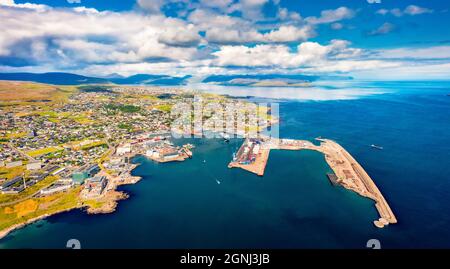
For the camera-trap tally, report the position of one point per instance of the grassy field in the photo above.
(81, 118)
(33, 208)
(165, 108)
(11, 173)
(25, 91)
(93, 145)
(12, 135)
(44, 151)
(123, 108)
(19, 93)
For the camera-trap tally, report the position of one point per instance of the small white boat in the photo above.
(376, 147)
(218, 182)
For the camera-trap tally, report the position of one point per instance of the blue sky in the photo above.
(369, 39)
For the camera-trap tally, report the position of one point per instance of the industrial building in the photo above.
(34, 166)
(95, 185)
(84, 173)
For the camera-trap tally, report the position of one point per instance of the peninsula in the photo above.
(67, 147)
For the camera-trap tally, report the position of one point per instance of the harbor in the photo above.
(253, 156)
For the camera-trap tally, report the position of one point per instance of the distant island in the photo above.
(59, 78)
(269, 80)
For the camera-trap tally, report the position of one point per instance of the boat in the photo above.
(376, 147)
(218, 182)
(226, 137)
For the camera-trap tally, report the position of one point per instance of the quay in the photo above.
(254, 154)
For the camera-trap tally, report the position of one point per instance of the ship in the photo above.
(376, 147)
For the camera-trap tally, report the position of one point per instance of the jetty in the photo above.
(253, 156)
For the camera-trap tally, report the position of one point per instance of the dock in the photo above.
(333, 179)
(257, 166)
(347, 172)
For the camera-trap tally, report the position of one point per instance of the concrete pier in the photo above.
(348, 172)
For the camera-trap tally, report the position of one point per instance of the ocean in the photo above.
(181, 205)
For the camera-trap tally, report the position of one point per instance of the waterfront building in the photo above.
(96, 185)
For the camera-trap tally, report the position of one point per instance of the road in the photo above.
(21, 152)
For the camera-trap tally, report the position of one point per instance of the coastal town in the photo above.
(73, 148)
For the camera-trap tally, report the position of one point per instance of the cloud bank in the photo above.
(206, 37)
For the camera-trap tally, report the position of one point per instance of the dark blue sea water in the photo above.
(181, 205)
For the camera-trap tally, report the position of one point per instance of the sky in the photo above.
(367, 39)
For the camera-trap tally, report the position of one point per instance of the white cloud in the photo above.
(187, 36)
(283, 34)
(223, 5)
(225, 29)
(306, 54)
(89, 41)
(337, 26)
(152, 6)
(285, 14)
(396, 12)
(416, 10)
(90, 36)
(251, 9)
(332, 15)
(382, 11)
(411, 10)
(85, 9)
(207, 19)
(11, 3)
(385, 28)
